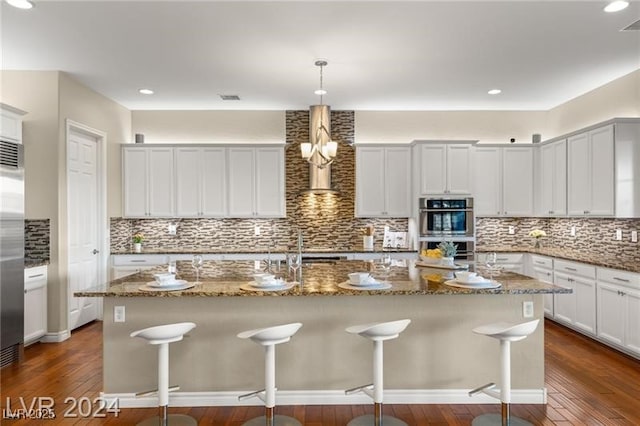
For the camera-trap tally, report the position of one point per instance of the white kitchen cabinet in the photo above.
(445, 168)
(10, 123)
(148, 181)
(510, 262)
(256, 179)
(542, 270)
(618, 313)
(127, 264)
(590, 173)
(35, 304)
(503, 181)
(578, 309)
(552, 179)
(383, 181)
(201, 184)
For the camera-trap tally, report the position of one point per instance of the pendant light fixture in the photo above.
(320, 151)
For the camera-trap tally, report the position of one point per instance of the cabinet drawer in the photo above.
(139, 260)
(574, 268)
(541, 261)
(624, 278)
(503, 257)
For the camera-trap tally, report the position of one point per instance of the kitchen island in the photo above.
(437, 359)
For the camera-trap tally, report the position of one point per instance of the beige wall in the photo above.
(51, 97)
(209, 126)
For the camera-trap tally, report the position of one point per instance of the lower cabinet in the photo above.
(578, 309)
(542, 270)
(510, 262)
(35, 304)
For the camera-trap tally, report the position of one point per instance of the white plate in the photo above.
(473, 282)
(368, 283)
(251, 287)
(490, 284)
(176, 283)
(184, 286)
(380, 286)
(441, 266)
(268, 284)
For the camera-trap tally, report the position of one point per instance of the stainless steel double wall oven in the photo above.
(447, 219)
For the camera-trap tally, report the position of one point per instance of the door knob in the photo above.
(95, 251)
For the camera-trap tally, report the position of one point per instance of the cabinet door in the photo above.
(545, 275)
(370, 194)
(161, 182)
(398, 182)
(214, 182)
(564, 304)
(602, 173)
(188, 182)
(241, 182)
(269, 196)
(585, 296)
(35, 303)
(487, 181)
(459, 169)
(517, 181)
(578, 175)
(553, 179)
(134, 177)
(632, 320)
(433, 170)
(611, 313)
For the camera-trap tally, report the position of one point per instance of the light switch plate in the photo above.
(512, 230)
(172, 228)
(118, 314)
(634, 236)
(573, 231)
(618, 234)
(256, 231)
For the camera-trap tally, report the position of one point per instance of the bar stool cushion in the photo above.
(271, 335)
(168, 333)
(508, 331)
(380, 330)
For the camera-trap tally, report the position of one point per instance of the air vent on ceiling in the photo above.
(633, 27)
(230, 97)
(9, 154)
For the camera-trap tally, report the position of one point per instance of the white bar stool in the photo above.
(378, 332)
(162, 335)
(506, 333)
(269, 337)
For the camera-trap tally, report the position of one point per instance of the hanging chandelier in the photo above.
(320, 150)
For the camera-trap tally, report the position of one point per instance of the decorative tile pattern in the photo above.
(37, 241)
(326, 220)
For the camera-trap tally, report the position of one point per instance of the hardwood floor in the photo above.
(588, 384)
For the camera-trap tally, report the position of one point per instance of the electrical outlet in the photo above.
(118, 314)
(257, 265)
(634, 236)
(527, 309)
(256, 230)
(172, 228)
(573, 231)
(618, 234)
(512, 230)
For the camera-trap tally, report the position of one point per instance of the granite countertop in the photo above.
(224, 278)
(567, 254)
(29, 263)
(261, 250)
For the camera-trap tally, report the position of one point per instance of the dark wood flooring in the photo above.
(588, 384)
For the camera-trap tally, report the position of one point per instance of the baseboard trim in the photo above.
(57, 337)
(328, 397)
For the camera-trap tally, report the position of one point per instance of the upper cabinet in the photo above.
(148, 181)
(383, 181)
(256, 182)
(445, 168)
(203, 181)
(10, 123)
(503, 181)
(591, 173)
(552, 169)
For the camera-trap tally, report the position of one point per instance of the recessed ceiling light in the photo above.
(146, 91)
(616, 6)
(21, 4)
(494, 91)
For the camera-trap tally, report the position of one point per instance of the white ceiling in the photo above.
(383, 55)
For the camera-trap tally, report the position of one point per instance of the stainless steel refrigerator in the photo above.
(11, 251)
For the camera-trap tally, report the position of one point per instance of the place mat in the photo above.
(184, 286)
(286, 286)
(490, 284)
(440, 266)
(382, 286)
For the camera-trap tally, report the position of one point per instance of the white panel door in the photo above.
(161, 182)
(547, 179)
(517, 181)
(578, 175)
(564, 304)
(269, 196)
(370, 182)
(188, 182)
(241, 182)
(83, 244)
(585, 296)
(214, 182)
(134, 168)
(433, 169)
(487, 181)
(602, 173)
(398, 181)
(611, 313)
(545, 275)
(632, 320)
(559, 206)
(459, 169)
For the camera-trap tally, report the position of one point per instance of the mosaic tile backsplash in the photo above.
(595, 236)
(37, 240)
(326, 220)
